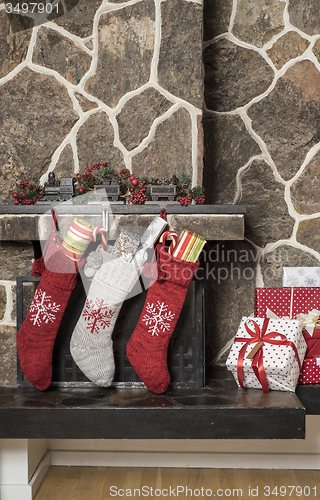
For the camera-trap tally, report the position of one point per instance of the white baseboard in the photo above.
(27, 491)
(190, 460)
(40, 473)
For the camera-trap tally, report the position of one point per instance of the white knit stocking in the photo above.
(91, 342)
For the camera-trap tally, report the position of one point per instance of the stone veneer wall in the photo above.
(99, 81)
(262, 148)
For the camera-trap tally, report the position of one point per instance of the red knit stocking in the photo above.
(36, 337)
(148, 345)
(58, 267)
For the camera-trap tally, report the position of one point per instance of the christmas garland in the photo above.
(133, 190)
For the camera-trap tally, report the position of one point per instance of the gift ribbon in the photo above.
(309, 321)
(259, 336)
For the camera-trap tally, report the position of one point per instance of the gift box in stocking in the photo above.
(267, 354)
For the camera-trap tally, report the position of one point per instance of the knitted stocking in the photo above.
(36, 337)
(91, 343)
(148, 345)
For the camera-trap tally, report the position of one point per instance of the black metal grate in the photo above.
(185, 352)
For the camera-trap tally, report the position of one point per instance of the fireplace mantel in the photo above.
(213, 222)
(220, 410)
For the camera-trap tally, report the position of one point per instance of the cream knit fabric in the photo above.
(91, 342)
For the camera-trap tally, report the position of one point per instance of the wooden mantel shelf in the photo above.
(213, 222)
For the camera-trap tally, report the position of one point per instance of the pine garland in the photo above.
(133, 190)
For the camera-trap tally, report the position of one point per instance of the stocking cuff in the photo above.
(174, 270)
(61, 272)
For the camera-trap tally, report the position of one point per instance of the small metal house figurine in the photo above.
(162, 188)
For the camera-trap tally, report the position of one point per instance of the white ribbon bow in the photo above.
(309, 320)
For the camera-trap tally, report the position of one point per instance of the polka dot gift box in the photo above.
(310, 373)
(290, 302)
(267, 354)
(286, 301)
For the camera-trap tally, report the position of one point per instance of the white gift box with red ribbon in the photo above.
(267, 354)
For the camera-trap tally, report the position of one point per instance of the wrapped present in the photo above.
(310, 373)
(189, 246)
(267, 353)
(300, 303)
(286, 302)
(301, 277)
(126, 245)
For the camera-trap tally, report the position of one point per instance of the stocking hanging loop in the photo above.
(163, 214)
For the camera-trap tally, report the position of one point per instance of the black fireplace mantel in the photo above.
(220, 410)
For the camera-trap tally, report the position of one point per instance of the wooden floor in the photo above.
(102, 483)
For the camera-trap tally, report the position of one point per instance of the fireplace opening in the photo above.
(185, 352)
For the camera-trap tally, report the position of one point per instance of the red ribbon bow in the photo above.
(260, 336)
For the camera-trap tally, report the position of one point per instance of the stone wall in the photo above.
(97, 81)
(262, 147)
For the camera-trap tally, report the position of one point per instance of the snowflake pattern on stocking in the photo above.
(157, 317)
(43, 309)
(97, 314)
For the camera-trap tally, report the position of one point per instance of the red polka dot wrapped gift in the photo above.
(293, 302)
(310, 373)
(267, 354)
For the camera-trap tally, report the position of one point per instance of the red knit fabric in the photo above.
(36, 337)
(148, 346)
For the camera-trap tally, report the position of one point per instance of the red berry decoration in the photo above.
(134, 182)
(15, 195)
(79, 176)
(22, 195)
(132, 177)
(16, 202)
(80, 191)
